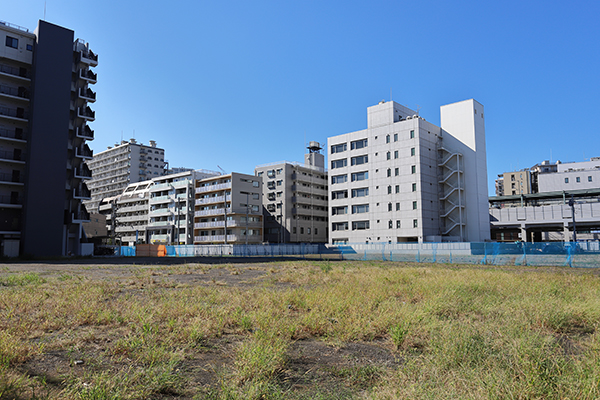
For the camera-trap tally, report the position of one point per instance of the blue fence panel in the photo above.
(127, 251)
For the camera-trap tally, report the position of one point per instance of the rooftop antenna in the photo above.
(121, 135)
(418, 108)
(222, 170)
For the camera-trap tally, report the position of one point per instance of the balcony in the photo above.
(230, 224)
(216, 239)
(131, 218)
(87, 94)
(88, 76)
(84, 132)
(212, 200)
(83, 172)
(216, 211)
(82, 193)
(13, 135)
(15, 114)
(213, 188)
(161, 199)
(86, 113)
(19, 93)
(12, 156)
(12, 201)
(81, 216)
(160, 211)
(133, 208)
(84, 152)
(12, 179)
(88, 57)
(20, 74)
(165, 224)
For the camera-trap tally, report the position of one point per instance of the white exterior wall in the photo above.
(464, 130)
(588, 173)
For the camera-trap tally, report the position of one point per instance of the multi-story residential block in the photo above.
(45, 80)
(115, 168)
(518, 182)
(404, 179)
(571, 176)
(295, 199)
(172, 203)
(228, 210)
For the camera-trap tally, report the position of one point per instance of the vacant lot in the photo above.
(280, 329)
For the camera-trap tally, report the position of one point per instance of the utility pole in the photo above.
(572, 204)
(247, 205)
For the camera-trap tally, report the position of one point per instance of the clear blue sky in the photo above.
(241, 83)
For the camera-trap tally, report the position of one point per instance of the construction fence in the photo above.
(579, 254)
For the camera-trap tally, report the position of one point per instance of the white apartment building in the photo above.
(295, 199)
(45, 80)
(228, 210)
(118, 166)
(404, 179)
(127, 214)
(172, 202)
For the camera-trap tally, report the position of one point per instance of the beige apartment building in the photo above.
(228, 210)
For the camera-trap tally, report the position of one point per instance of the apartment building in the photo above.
(124, 163)
(228, 210)
(172, 206)
(404, 179)
(295, 199)
(45, 80)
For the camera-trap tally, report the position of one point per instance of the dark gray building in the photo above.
(45, 79)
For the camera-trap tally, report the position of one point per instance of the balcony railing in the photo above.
(81, 216)
(82, 193)
(12, 156)
(19, 72)
(11, 178)
(88, 57)
(217, 211)
(14, 113)
(211, 200)
(16, 200)
(88, 94)
(84, 132)
(88, 75)
(211, 188)
(86, 113)
(16, 92)
(83, 172)
(84, 151)
(12, 134)
(216, 238)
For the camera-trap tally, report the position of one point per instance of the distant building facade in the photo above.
(404, 179)
(295, 202)
(45, 92)
(118, 166)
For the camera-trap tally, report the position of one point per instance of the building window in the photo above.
(395, 137)
(589, 178)
(566, 180)
(412, 151)
(29, 47)
(308, 231)
(316, 231)
(396, 154)
(414, 187)
(389, 190)
(578, 180)
(339, 226)
(412, 134)
(360, 160)
(415, 223)
(397, 206)
(339, 163)
(340, 194)
(387, 139)
(294, 230)
(389, 172)
(360, 176)
(413, 169)
(339, 210)
(388, 155)
(339, 179)
(338, 148)
(389, 206)
(362, 192)
(398, 224)
(12, 42)
(390, 224)
(396, 171)
(360, 209)
(397, 188)
(414, 205)
(360, 225)
(358, 144)
(302, 230)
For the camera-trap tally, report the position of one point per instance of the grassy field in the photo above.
(298, 330)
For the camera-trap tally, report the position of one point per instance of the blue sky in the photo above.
(239, 83)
